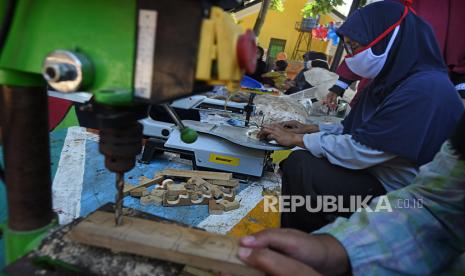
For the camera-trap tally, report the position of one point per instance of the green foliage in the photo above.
(320, 7)
(277, 5)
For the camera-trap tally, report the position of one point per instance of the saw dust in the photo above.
(275, 109)
(93, 260)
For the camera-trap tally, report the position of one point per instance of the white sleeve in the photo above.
(335, 128)
(344, 151)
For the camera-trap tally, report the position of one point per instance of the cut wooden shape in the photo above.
(213, 189)
(167, 181)
(215, 208)
(230, 205)
(157, 180)
(175, 187)
(197, 198)
(200, 174)
(228, 192)
(164, 241)
(158, 192)
(182, 198)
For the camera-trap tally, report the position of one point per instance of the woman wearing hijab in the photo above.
(312, 59)
(447, 18)
(404, 115)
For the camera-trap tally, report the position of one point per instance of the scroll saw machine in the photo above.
(219, 146)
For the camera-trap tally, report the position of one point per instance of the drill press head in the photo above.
(176, 52)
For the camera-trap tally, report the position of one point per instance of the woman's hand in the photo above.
(289, 84)
(281, 135)
(330, 100)
(298, 127)
(293, 252)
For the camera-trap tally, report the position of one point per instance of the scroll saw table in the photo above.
(82, 184)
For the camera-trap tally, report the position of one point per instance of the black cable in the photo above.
(2, 174)
(6, 23)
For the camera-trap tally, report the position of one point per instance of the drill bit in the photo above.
(119, 198)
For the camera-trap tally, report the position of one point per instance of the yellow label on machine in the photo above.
(224, 160)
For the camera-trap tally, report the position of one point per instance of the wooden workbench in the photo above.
(82, 184)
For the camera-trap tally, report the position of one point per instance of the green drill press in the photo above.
(129, 54)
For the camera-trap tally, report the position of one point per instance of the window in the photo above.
(276, 46)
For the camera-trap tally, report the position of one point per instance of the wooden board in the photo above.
(162, 241)
(233, 183)
(200, 174)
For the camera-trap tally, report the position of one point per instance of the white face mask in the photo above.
(368, 65)
(308, 64)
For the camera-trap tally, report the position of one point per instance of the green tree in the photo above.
(310, 9)
(277, 5)
(320, 7)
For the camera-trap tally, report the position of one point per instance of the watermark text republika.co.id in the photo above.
(339, 204)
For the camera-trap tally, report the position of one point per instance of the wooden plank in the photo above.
(163, 241)
(193, 271)
(233, 183)
(146, 182)
(200, 174)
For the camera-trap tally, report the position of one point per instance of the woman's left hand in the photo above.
(283, 136)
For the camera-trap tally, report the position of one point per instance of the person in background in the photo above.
(278, 76)
(281, 56)
(261, 66)
(423, 234)
(409, 109)
(312, 59)
(447, 17)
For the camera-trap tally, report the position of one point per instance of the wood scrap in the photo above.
(272, 191)
(230, 205)
(139, 192)
(163, 241)
(145, 182)
(200, 174)
(213, 189)
(215, 208)
(158, 192)
(233, 183)
(151, 200)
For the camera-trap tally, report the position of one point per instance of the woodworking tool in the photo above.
(128, 54)
(218, 147)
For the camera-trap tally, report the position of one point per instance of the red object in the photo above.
(447, 17)
(386, 32)
(320, 32)
(247, 52)
(57, 110)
